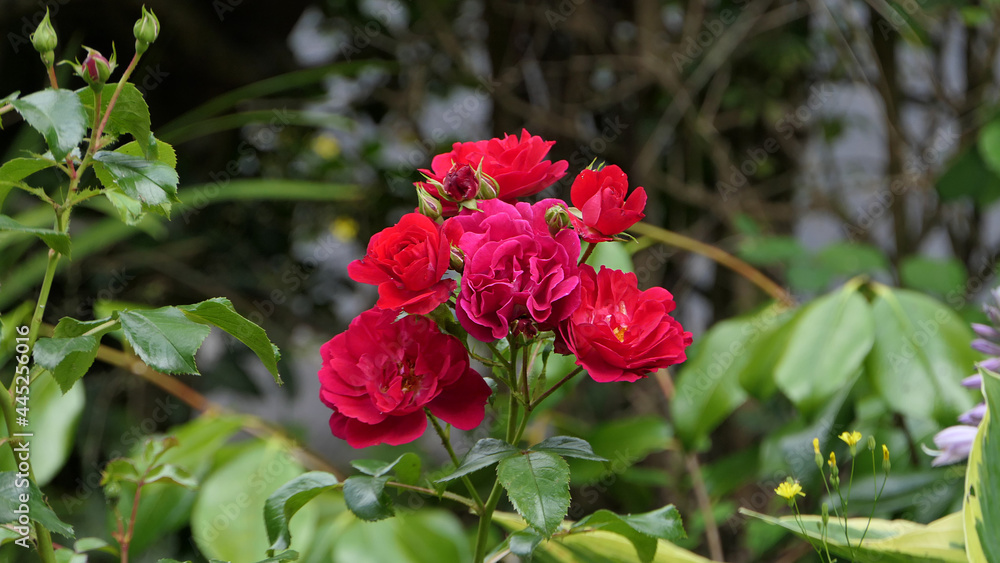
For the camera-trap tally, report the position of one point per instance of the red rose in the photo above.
(620, 333)
(461, 184)
(515, 163)
(407, 262)
(517, 274)
(380, 374)
(600, 197)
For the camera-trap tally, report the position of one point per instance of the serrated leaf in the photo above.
(151, 182)
(219, 312)
(130, 209)
(287, 500)
(68, 359)
(58, 115)
(17, 169)
(568, 446)
(663, 523)
(537, 484)
(68, 327)
(10, 494)
(53, 239)
(484, 453)
(130, 114)
(366, 498)
(981, 505)
(164, 338)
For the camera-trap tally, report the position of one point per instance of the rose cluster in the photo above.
(517, 270)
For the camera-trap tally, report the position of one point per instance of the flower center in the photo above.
(619, 332)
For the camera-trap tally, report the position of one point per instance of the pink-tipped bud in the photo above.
(95, 69)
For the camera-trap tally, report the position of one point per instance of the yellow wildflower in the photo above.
(789, 489)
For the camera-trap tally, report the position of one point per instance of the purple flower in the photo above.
(974, 416)
(974, 381)
(954, 444)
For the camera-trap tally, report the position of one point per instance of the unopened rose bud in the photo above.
(429, 205)
(460, 184)
(557, 218)
(146, 30)
(95, 69)
(488, 187)
(457, 260)
(526, 328)
(44, 40)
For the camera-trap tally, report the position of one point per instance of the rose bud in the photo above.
(557, 218)
(95, 69)
(44, 40)
(460, 184)
(428, 204)
(146, 30)
(604, 209)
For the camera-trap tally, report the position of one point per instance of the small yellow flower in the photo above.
(788, 490)
(885, 453)
(833, 460)
(851, 438)
(816, 445)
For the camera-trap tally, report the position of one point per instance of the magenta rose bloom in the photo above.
(379, 375)
(600, 197)
(407, 262)
(515, 163)
(619, 333)
(516, 271)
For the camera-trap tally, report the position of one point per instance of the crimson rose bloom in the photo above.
(380, 374)
(620, 333)
(516, 270)
(407, 262)
(515, 163)
(600, 197)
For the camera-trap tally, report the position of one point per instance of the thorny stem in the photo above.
(446, 442)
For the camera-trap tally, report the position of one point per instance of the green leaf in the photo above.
(537, 484)
(287, 500)
(130, 114)
(831, 338)
(406, 467)
(53, 422)
(664, 523)
(68, 359)
(757, 375)
(9, 98)
(151, 182)
(920, 355)
(53, 239)
(11, 489)
(167, 473)
(131, 210)
(644, 544)
(522, 543)
(484, 453)
(981, 505)
(624, 442)
(707, 389)
(219, 312)
(17, 169)
(850, 259)
(226, 518)
(164, 338)
(283, 557)
(887, 541)
(567, 446)
(84, 545)
(423, 536)
(969, 176)
(943, 277)
(367, 499)
(58, 115)
(68, 327)
(989, 145)
(769, 250)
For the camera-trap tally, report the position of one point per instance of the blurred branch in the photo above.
(718, 255)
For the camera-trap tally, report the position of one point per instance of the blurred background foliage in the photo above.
(817, 140)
